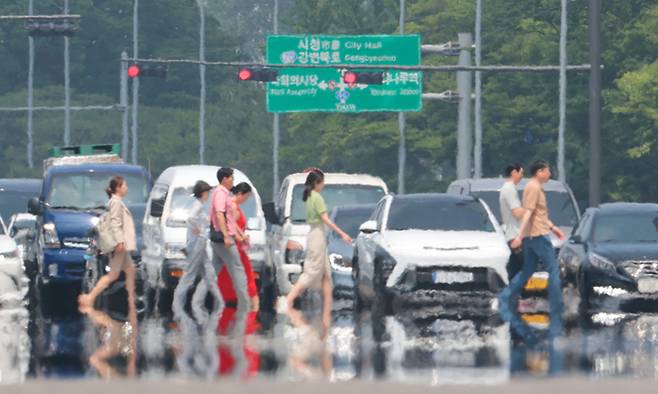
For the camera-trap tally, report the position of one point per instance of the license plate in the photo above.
(647, 285)
(448, 277)
(537, 282)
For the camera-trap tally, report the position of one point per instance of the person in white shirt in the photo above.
(511, 212)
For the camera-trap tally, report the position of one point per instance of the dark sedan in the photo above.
(348, 218)
(613, 253)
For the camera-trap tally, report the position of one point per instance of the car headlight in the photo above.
(12, 254)
(50, 237)
(174, 251)
(294, 253)
(339, 261)
(601, 262)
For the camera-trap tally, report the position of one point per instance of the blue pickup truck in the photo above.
(72, 199)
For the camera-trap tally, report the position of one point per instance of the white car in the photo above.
(416, 247)
(13, 282)
(288, 217)
(165, 226)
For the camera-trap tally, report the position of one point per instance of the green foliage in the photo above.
(520, 110)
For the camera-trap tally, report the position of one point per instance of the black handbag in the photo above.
(215, 235)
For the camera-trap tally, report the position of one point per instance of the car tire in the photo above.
(382, 306)
(584, 290)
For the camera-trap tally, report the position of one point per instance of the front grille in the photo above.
(77, 243)
(640, 268)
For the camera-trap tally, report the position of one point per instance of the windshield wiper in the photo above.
(65, 207)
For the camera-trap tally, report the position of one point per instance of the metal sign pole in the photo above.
(67, 85)
(135, 105)
(402, 123)
(30, 91)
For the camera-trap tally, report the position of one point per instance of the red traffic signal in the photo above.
(350, 77)
(147, 70)
(133, 71)
(365, 78)
(257, 74)
(245, 74)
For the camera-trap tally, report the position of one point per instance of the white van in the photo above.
(288, 217)
(165, 226)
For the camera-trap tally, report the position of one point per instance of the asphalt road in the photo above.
(523, 386)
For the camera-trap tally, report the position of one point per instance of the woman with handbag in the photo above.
(122, 229)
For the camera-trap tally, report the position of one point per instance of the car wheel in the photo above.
(584, 290)
(382, 306)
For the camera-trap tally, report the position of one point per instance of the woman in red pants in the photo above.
(241, 193)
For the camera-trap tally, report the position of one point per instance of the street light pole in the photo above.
(123, 101)
(135, 128)
(202, 78)
(276, 131)
(402, 123)
(561, 171)
(478, 92)
(30, 90)
(595, 102)
(67, 85)
(464, 127)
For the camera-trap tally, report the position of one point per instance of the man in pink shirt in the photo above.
(222, 219)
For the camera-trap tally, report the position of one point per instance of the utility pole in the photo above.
(135, 128)
(594, 14)
(276, 132)
(202, 78)
(561, 171)
(402, 123)
(123, 101)
(67, 85)
(478, 92)
(464, 129)
(30, 90)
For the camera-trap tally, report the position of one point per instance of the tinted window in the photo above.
(87, 190)
(350, 221)
(335, 196)
(560, 206)
(433, 214)
(12, 202)
(626, 227)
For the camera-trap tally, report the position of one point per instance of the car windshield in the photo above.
(560, 206)
(87, 190)
(438, 215)
(335, 196)
(631, 227)
(182, 201)
(12, 202)
(350, 220)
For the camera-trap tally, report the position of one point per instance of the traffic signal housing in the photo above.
(364, 78)
(51, 29)
(147, 70)
(258, 74)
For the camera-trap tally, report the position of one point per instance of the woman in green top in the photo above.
(317, 271)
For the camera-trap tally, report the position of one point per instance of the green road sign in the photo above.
(323, 89)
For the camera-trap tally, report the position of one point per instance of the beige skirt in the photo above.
(316, 260)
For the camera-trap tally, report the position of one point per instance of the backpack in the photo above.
(106, 241)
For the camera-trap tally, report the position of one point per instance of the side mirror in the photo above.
(576, 239)
(34, 206)
(157, 207)
(271, 214)
(369, 227)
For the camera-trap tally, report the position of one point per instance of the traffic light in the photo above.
(147, 70)
(48, 29)
(257, 74)
(365, 78)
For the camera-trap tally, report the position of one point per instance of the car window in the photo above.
(350, 221)
(627, 227)
(438, 215)
(87, 190)
(335, 195)
(13, 201)
(582, 228)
